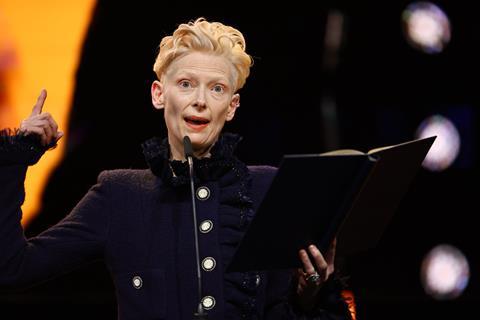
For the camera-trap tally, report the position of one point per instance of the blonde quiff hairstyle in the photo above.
(209, 37)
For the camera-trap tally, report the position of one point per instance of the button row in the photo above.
(208, 263)
(208, 302)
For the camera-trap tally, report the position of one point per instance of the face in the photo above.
(197, 95)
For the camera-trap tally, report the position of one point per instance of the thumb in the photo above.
(60, 134)
(37, 108)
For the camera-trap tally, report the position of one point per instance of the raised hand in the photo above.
(41, 124)
(314, 273)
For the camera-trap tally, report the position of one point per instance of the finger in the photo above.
(45, 136)
(36, 122)
(50, 128)
(319, 261)
(52, 122)
(45, 125)
(301, 282)
(50, 133)
(24, 126)
(301, 277)
(307, 264)
(330, 255)
(60, 134)
(37, 108)
(27, 124)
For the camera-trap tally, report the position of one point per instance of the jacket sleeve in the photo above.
(281, 296)
(79, 238)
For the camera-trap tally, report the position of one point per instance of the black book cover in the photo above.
(314, 197)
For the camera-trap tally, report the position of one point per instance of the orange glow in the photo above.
(349, 299)
(46, 38)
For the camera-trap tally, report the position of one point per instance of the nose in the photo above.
(200, 101)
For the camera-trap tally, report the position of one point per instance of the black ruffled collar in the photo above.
(222, 159)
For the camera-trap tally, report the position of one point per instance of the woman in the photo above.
(140, 221)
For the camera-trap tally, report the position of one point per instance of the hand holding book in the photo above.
(315, 197)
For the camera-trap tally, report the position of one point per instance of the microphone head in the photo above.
(187, 146)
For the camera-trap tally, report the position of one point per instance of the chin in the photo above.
(200, 145)
(200, 141)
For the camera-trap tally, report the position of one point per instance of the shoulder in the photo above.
(262, 176)
(128, 178)
(262, 170)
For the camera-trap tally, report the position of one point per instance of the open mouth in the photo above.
(197, 123)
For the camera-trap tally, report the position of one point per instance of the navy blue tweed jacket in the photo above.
(140, 223)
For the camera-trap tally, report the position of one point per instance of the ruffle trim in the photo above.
(176, 173)
(18, 148)
(236, 207)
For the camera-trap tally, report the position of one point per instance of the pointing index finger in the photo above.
(37, 108)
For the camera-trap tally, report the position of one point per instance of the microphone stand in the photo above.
(187, 144)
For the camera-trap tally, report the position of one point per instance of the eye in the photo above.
(185, 84)
(218, 88)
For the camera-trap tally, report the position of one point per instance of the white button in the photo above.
(208, 302)
(137, 282)
(203, 193)
(257, 280)
(206, 226)
(208, 264)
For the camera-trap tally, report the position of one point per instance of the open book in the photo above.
(315, 197)
(347, 152)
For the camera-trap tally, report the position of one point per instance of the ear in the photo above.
(157, 95)
(234, 104)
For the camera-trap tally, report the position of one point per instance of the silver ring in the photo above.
(313, 278)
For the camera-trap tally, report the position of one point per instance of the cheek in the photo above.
(221, 110)
(219, 124)
(173, 108)
(220, 118)
(171, 116)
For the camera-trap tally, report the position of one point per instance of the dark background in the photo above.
(383, 90)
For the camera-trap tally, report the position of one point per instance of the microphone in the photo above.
(187, 146)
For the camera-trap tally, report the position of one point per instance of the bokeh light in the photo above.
(445, 272)
(426, 27)
(446, 147)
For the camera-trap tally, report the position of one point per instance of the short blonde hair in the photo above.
(212, 37)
